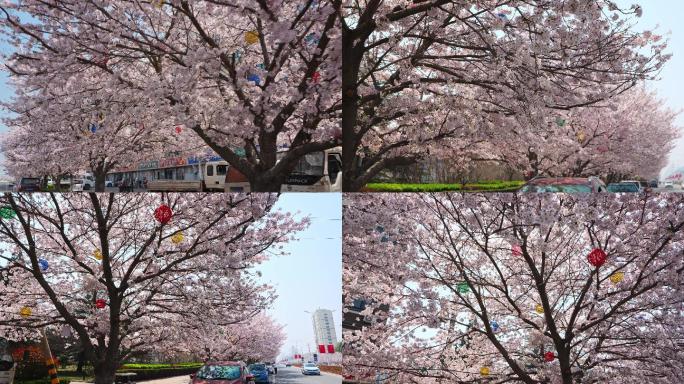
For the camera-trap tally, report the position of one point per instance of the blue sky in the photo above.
(311, 276)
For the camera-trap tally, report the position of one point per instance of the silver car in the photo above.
(310, 369)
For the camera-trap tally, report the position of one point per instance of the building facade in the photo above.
(324, 327)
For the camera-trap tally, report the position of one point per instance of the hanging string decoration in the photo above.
(43, 264)
(25, 312)
(549, 356)
(539, 308)
(97, 254)
(617, 277)
(100, 303)
(597, 257)
(177, 238)
(7, 213)
(163, 214)
(251, 37)
(484, 371)
(516, 250)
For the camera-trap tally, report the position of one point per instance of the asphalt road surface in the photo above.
(293, 375)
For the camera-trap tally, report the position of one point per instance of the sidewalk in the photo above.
(185, 379)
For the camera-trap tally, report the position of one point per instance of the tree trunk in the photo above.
(104, 372)
(351, 61)
(100, 181)
(265, 184)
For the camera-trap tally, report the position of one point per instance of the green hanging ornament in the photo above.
(7, 213)
(463, 287)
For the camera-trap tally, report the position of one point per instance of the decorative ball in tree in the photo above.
(484, 371)
(549, 356)
(539, 308)
(316, 77)
(25, 312)
(100, 303)
(253, 77)
(179, 129)
(251, 37)
(177, 238)
(617, 277)
(516, 250)
(43, 264)
(7, 213)
(463, 287)
(163, 214)
(581, 136)
(494, 325)
(97, 254)
(597, 257)
(560, 122)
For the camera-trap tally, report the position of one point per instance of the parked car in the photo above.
(310, 369)
(29, 184)
(653, 183)
(623, 188)
(7, 366)
(564, 185)
(223, 372)
(259, 371)
(639, 184)
(270, 368)
(109, 184)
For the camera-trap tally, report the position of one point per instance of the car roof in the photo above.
(559, 180)
(224, 363)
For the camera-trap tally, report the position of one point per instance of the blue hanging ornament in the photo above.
(93, 127)
(254, 78)
(43, 264)
(494, 325)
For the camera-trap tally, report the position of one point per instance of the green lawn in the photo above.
(491, 186)
(67, 375)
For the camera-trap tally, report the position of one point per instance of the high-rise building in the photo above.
(324, 327)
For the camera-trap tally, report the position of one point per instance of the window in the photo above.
(221, 170)
(210, 170)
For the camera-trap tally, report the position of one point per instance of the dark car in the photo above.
(564, 185)
(223, 372)
(259, 371)
(623, 188)
(29, 184)
(653, 183)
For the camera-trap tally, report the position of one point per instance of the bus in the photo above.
(315, 172)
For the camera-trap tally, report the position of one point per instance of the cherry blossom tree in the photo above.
(258, 338)
(245, 78)
(547, 288)
(423, 79)
(123, 272)
(630, 135)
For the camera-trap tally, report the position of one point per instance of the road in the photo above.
(291, 375)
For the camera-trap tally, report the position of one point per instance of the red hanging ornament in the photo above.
(179, 129)
(163, 214)
(316, 77)
(100, 303)
(597, 257)
(516, 250)
(549, 357)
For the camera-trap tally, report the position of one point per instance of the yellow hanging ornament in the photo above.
(97, 254)
(581, 136)
(252, 37)
(617, 277)
(158, 3)
(25, 312)
(177, 238)
(539, 308)
(484, 371)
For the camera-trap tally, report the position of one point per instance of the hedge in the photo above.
(160, 373)
(494, 186)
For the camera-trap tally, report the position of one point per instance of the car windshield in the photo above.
(219, 372)
(310, 164)
(257, 367)
(626, 187)
(30, 180)
(570, 188)
(310, 365)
